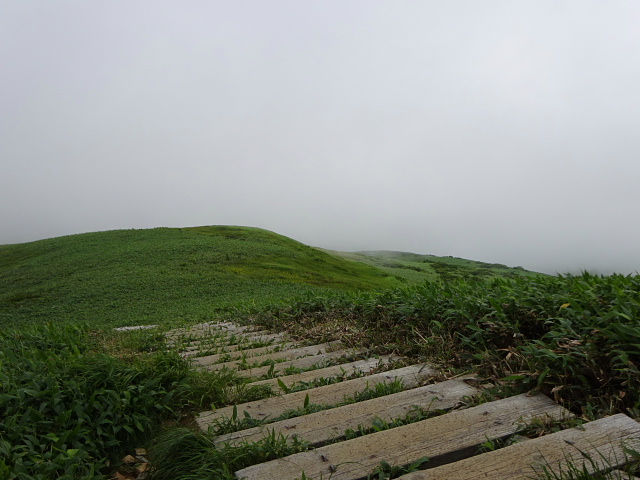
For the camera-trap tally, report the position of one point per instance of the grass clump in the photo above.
(69, 409)
(183, 454)
(386, 471)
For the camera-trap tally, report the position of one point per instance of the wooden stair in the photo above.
(336, 371)
(329, 425)
(333, 394)
(447, 429)
(288, 352)
(598, 446)
(443, 439)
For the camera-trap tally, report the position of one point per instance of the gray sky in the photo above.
(503, 131)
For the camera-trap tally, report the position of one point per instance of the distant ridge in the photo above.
(415, 268)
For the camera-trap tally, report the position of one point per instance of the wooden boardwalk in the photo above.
(440, 421)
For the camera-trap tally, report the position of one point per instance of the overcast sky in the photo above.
(502, 131)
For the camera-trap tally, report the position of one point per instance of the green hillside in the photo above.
(75, 394)
(131, 277)
(412, 268)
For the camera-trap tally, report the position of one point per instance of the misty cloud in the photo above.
(504, 131)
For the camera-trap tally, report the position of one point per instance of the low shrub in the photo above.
(68, 412)
(575, 337)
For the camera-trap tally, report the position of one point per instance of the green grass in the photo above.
(74, 394)
(133, 277)
(74, 399)
(184, 454)
(67, 408)
(593, 467)
(413, 268)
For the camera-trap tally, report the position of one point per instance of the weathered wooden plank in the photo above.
(304, 362)
(196, 350)
(260, 335)
(230, 344)
(328, 395)
(228, 338)
(185, 341)
(357, 367)
(321, 427)
(445, 438)
(225, 326)
(601, 440)
(244, 353)
(205, 329)
(220, 338)
(224, 335)
(203, 335)
(289, 354)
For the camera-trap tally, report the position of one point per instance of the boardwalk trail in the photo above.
(451, 430)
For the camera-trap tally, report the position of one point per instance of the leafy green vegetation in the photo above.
(385, 471)
(577, 338)
(74, 394)
(412, 268)
(73, 399)
(66, 410)
(133, 277)
(183, 453)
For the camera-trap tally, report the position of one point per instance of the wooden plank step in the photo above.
(195, 350)
(216, 324)
(210, 326)
(228, 338)
(196, 335)
(230, 344)
(328, 395)
(283, 355)
(304, 362)
(261, 336)
(217, 338)
(445, 438)
(204, 329)
(248, 353)
(321, 427)
(602, 440)
(184, 340)
(229, 326)
(359, 366)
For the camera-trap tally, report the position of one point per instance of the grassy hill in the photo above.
(412, 268)
(131, 277)
(75, 394)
